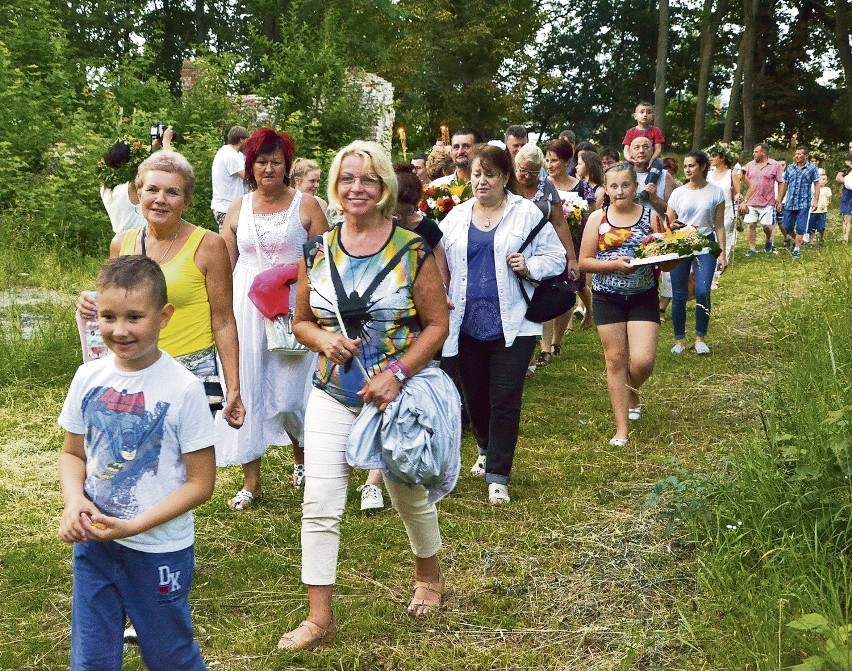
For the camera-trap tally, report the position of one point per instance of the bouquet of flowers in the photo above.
(437, 201)
(574, 207)
(111, 176)
(683, 242)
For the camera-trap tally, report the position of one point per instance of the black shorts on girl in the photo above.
(614, 308)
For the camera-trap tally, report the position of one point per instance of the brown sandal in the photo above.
(307, 636)
(437, 588)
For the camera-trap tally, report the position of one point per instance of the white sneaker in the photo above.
(498, 494)
(130, 636)
(702, 348)
(478, 469)
(371, 497)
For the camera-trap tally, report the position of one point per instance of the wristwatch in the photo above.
(398, 372)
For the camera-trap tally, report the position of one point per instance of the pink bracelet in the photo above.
(402, 367)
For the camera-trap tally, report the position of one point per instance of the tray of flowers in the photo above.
(672, 245)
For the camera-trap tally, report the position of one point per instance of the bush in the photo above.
(773, 518)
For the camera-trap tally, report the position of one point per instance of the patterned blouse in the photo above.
(615, 242)
(386, 320)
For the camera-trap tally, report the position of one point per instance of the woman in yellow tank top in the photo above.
(198, 276)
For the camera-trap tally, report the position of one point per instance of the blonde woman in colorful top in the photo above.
(625, 304)
(198, 278)
(392, 330)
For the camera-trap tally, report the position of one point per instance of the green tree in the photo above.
(306, 74)
(38, 84)
(596, 62)
(451, 63)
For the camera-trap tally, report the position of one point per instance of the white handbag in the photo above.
(279, 335)
(279, 331)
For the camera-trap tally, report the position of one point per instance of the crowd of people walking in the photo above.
(371, 298)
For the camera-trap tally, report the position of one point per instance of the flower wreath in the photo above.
(111, 177)
(724, 152)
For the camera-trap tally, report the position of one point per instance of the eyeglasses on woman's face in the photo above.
(522, 172)
(367, 181)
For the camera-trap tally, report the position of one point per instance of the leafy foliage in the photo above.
(775, 510)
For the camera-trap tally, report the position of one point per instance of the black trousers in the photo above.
(492, 377)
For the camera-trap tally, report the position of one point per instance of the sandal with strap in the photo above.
(242, 500)
(421, 607)
(498, 494)
(543, 359)
(308, 636)
(298, 475)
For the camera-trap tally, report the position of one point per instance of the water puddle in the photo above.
(20, 308)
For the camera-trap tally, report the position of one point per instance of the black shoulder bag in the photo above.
(553, 295)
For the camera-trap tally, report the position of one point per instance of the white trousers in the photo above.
(327, 426)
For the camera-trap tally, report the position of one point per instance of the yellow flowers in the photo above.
(456, 189)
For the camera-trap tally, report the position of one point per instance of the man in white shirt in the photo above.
(228, 174)
(462, 142)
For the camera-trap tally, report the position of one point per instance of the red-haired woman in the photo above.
(267, 227)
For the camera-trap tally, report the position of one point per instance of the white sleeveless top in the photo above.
(281, 235)
(724, 182)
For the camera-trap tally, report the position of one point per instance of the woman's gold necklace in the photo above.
(171, 242)
(488, 214)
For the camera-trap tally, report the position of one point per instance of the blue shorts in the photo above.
(846, 201)
(816, 224)
(111, 582)
(797, 219)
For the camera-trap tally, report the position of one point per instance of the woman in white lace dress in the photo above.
(278, 219)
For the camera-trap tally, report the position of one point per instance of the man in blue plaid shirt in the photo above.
(801, 182)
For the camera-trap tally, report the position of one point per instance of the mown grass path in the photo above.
(573, 574)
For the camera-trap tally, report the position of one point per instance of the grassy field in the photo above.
(580, 571)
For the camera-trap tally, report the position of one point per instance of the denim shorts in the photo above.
(796, 219)
(611, 308)
(112, 582)
(846, 201)
(816, 224)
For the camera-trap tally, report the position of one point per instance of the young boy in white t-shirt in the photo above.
(137, 458)
(816, 223)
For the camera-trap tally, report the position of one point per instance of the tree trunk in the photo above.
(842, 28)
(200, 23)
(736, 90)
(748, 49)
(662, 56)
(710, 21)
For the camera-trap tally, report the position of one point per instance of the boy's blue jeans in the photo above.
(112, 581)
(703, 268)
